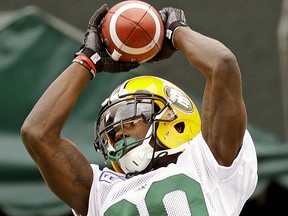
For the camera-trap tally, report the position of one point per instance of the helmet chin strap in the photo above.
(168, 151)
(138, 158)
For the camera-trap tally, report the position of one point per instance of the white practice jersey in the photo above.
(196, 185)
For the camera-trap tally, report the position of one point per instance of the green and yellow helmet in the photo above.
(173, 116)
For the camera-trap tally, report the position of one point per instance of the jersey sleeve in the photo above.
(246, 159)
(103, 181)
(237, 181)
(243, 169)
(92, 210)
(93, 191)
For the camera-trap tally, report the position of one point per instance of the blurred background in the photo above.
(39, 38)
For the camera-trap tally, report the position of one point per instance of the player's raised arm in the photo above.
(64, 168)
(223, 108)
(223, 111)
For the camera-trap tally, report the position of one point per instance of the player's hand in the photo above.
(94, 49)
(172, 19)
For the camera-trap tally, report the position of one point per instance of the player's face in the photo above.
(136, 129)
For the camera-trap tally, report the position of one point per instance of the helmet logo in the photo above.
(179, 99)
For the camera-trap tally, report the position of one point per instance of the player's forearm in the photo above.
(52, 110)
(203, 53)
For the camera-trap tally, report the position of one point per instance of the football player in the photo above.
(165, 161)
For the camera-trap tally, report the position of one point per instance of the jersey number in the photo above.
(156, 195)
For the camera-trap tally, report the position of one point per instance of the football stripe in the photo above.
(119, 44)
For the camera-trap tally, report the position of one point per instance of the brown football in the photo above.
(133, 31)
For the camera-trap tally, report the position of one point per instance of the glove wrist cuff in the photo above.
(171, 30)
(87, 63)
(92, 58)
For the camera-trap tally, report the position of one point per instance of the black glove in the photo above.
(93, 48)
(172, 19)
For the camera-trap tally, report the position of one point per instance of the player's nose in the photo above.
(121, 133)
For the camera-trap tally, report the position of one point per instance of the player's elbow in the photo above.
(32, 137)
(26, 133)
(226, 67)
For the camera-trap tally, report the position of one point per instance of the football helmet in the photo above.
(172, 115)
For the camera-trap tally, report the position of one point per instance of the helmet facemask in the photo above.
(131, 154)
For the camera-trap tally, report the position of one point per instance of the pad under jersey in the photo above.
(196, 185)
